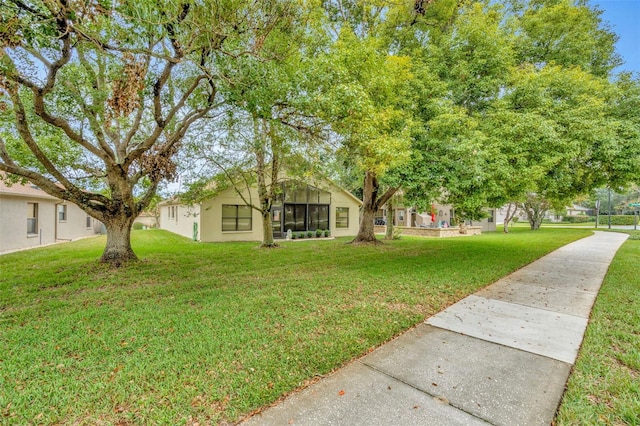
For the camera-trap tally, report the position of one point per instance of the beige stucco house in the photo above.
(29, 217)
(409, 217)
(300, 207)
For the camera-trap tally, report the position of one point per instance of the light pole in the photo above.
(609, 215)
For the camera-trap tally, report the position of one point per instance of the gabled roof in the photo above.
(20, 190)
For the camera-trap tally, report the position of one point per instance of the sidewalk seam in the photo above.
(435, 397)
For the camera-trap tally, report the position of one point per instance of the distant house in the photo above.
(576, 210)
(29, 217)
(442, 217)
(300, 207)
(148, 220)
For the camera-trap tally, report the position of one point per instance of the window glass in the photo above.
(342, 217)
(88, 221)
(32, 218)
(228, 210)
(318, 217)
(236, 218)
(244, 224)
(62, 212)
(244, 211)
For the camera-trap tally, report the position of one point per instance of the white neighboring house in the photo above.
(301, 208)
(29, 217)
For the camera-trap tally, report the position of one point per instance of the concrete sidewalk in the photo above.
(501, 356)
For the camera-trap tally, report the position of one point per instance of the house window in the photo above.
(401, 215)
(491, 214)
(173, 213)
(318, 217)
(32, 218)
(236, 218)
(295, 216)
(62, 212)
(342, 217)
(88, 221)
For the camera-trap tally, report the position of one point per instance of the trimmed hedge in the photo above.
(617, 219)
(578, 219)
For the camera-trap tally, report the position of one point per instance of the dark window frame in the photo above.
(236, 218)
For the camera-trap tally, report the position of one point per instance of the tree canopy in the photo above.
(477, 103)
(97, 97)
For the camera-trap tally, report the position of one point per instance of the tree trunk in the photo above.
(535, 209)
(370, 206)
(463, 227)
(118, 250)
(390, 215)
(267, 230)
(366, 232)
(509, 216)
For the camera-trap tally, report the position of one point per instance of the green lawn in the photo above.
(604, 387)
(211, 332)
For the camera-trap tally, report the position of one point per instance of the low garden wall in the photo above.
(431, 232)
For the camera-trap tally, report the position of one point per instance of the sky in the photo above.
(624, 18)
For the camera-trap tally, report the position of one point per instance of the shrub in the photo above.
(319, 233)
(138, 226)
(327, 233)
(616, 220)
(578, 219)
(309, 234)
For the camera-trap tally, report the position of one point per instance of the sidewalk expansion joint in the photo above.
(439, 398)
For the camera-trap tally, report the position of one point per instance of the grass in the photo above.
(604, 387)
(210, 332)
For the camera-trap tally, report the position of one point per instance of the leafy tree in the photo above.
(268, 133)
(366, 98)
(96, 97)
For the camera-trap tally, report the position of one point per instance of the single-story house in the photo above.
(29, 217)
(442, 217)
(299, 207)
(148, 220)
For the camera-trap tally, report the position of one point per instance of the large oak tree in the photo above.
(97, 96)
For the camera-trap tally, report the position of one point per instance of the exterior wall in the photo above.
(211, 218)
(340, 198)
(147, 220)
(13, 222)
(76, 224)
(405, 217)
(182, 223)
(13, 226)
(487, 224)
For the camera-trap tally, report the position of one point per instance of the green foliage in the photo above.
(617, 219)
(578, 219)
